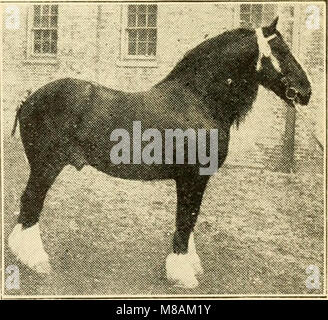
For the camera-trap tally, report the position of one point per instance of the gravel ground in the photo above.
(256, 234)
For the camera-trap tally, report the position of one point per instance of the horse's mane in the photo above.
(206, 69)
(200, 52)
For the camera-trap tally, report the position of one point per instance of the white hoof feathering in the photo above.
(27, 246)
(193, 256)
(180, 271)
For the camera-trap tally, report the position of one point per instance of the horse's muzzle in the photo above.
(303, 99)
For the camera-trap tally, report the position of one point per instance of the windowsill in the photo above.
(41, 60)
(137, 63)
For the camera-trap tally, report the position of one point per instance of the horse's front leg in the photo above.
(183, 264)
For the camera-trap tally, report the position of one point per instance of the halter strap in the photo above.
(265, 49)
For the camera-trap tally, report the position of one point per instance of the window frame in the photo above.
(268, 13)
(125, 37)
(250, 14)
(31, 34)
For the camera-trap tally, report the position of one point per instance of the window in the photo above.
(256, 15)
(251, 15)
(141, 28)
(44, 29)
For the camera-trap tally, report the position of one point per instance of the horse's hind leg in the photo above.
(183, 264)
(25, 240)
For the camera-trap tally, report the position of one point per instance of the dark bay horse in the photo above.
(69, 121)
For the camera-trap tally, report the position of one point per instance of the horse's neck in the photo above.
(228, 102)
(226, 86)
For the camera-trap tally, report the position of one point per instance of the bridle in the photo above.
(265, 51)
(291, 93)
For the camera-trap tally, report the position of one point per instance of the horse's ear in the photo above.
(271, 29)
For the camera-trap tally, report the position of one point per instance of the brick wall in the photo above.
(311, 49)
(89, 47)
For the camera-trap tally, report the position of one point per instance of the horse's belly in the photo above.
(137, 171)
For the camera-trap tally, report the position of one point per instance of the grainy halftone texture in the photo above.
(261, 222)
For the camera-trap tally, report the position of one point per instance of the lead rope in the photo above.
(308, 124)
(265, 51)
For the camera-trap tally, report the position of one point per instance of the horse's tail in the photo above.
(16, 119)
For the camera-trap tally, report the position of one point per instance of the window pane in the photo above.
(256, 15)
(132, 20)
(54, 9)
(132, 35)
(36, 22)
(142, 35)
(152, 20)
(152, 8)
(37, 10)
(37, 47)
(151, 49)
(45, 21)
(245, 24)
(141, 20)
(142, 8)
(245, 18)
(37, 34)
(46, 47)
(53, 46)
(132, 48)
(132, 8)
(152, 35)
(53, 22)
(45, 9)
(54, 35)
(46, 34)
(245, 8)
(141, 48)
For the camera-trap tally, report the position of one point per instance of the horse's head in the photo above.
(277, 68)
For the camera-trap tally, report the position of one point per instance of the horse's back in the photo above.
(49, 118)
(62, 95)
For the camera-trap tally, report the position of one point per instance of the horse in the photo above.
(69, 121)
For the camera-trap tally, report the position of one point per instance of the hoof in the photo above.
(180, 272)
(195, 263)
(26, 245)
